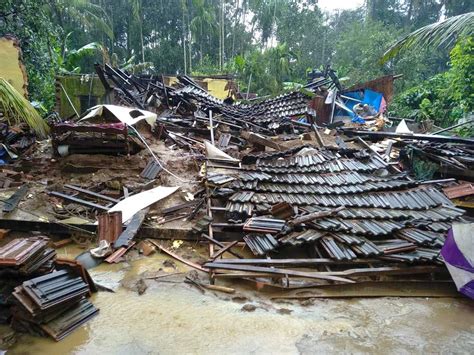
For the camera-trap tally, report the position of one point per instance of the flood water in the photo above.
(175, 318)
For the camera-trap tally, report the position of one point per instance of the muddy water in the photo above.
(174, 318)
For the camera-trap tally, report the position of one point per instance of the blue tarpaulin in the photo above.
(368, 96)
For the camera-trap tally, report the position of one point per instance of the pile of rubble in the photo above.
(341, 211)
(279, 192)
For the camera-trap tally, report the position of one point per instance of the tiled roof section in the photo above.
(236, 211)
(420, 255)
(365, 227)
(332, 166)
(289, 104)
(439, 227)
(418, 199)
(299, 160)
(219, 179)
(331, 179)
(367, 249)
(260, 244)
(297, 238)
(442, 213)
(337, 250)
(326, 189)
(244, 196)
(263, 224)
(421, 237)
(386, 216)
(22, 250)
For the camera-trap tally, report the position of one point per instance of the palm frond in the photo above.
(90, 15)
(17, 109)
(439, 34)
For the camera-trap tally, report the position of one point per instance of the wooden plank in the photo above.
(377, 271)
(179, 258)
(257, 139)
(224, 249)
(284, 272)
(404, 288)
(299, 262)
(312, 216)
(222, 245)
(78, 200)
(91, 193)
(423, 137)
(319, 139)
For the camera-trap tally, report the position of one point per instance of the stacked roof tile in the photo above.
(383, 216)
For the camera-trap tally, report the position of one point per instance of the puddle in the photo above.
(175, 318)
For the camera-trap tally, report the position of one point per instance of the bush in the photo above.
(446, 97)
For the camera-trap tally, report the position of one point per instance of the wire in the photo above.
(155, 157)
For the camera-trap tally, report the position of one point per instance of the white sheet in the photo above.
(135, 203)
(215, 153)
(122, 114)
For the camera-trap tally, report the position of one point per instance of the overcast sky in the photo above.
(339, 4)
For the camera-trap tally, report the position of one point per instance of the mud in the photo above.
(171, 317)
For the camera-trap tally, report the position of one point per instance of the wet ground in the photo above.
(172, 317)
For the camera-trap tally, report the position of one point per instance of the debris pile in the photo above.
(340, 210)
(280, 193)
(41, 295)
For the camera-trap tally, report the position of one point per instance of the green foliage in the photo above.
(27, 21)
(359, 49)
(439, 34)
(19, 110)
(273, 42)
(462, 74)
(446, 97)
(82, 60)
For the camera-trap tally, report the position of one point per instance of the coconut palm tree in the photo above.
(84, 12)
(439, 34)
(137, 17)
(203, 24)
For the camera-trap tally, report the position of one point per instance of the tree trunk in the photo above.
(184, 43)
(200, 46)
(222, 36)
(190, 44)
(409, 12)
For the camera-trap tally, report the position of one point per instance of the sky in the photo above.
(330, 5)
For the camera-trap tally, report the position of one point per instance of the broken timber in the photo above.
(284, 272)
(179, 258)
(421, 137)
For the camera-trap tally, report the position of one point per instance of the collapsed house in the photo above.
(279, 192)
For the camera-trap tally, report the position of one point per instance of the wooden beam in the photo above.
(224, 249)
(299, 262)
(179, 258)
(284, 272)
